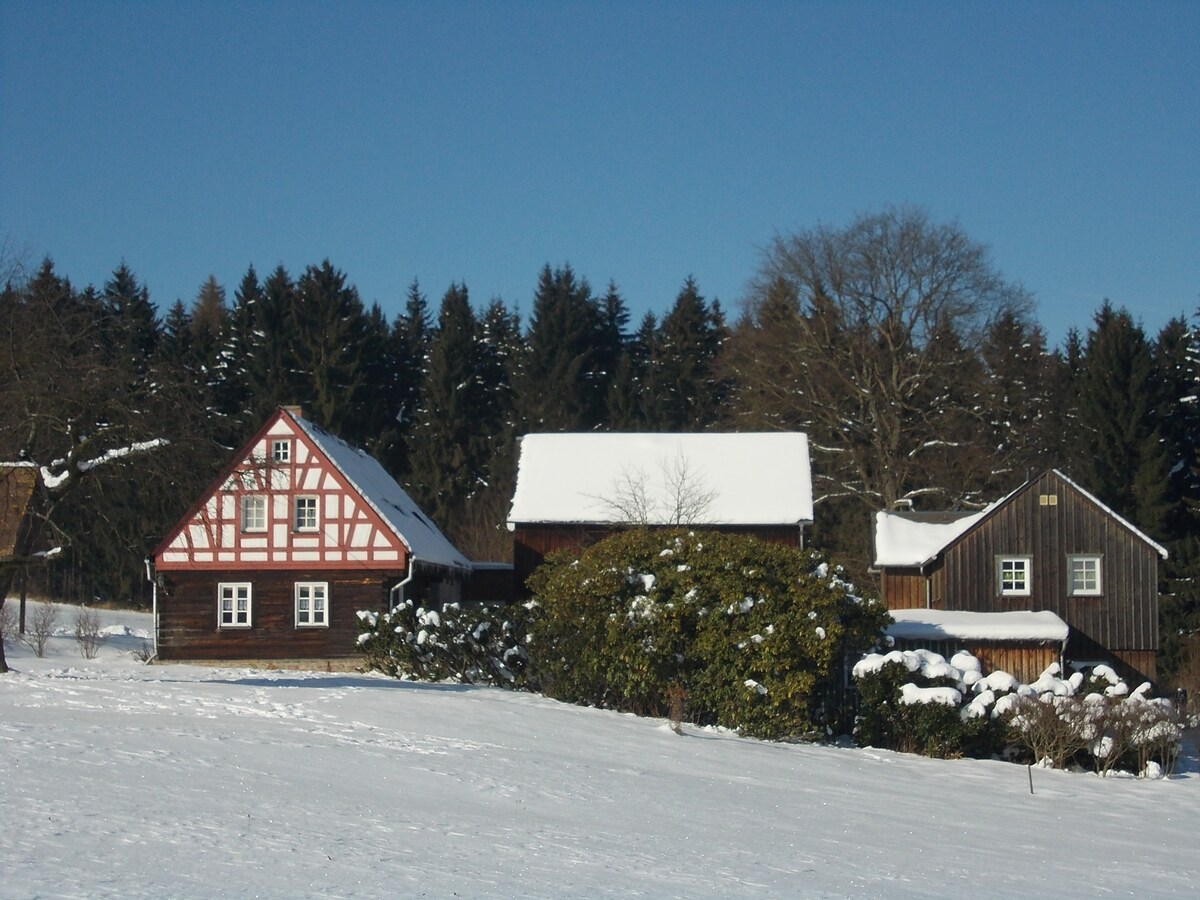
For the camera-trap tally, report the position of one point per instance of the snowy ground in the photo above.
(124, 780)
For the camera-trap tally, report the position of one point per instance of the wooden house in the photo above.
(575, 489)
(299, 533)
(19, 523)
(1049, 545)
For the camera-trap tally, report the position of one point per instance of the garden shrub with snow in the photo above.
(916, 701)
(753, 633)
(469, 644)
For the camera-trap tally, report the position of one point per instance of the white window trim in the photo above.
(245, 504)
(281, 451)
(316, 506)
(1014, 592)
(323, 586)
(232, 588)
(1092, 557)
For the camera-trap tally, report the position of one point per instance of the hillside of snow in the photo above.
(119, 779)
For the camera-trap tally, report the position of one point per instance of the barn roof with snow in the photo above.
(718, 479)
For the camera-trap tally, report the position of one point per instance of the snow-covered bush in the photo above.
(470, 644)
(915, 701)
(753, 632)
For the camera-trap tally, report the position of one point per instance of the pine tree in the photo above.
(563, 385)
(448, 455)
(1118, 450)
(684, 369)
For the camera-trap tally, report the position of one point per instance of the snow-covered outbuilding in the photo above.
(1049, 546)
(575, 489)
(299, 533)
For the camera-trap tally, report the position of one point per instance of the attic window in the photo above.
(1048, 499)
(281, 451)
(1013, 575)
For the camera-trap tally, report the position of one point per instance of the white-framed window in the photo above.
(281, 451)
(306, 514)
(1014, 574)
(254, 512)
(233, 604)
(1083, 576)
(312, 604)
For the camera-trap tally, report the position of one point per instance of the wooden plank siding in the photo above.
(533, 542)
(189, 630)
(1123, 618)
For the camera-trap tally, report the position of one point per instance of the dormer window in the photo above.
(281, 451)
(306, 514)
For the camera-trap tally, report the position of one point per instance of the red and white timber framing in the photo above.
(348, 534)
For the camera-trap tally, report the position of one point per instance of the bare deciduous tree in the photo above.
(677, 497)
(865, 337)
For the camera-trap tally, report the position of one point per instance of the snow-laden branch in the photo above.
(54, 480)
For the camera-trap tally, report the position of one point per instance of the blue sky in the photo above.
(640, 142)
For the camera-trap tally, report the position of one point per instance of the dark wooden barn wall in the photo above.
(188, 615)
(1123, 619)
(533, 542)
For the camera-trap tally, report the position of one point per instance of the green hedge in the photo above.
(754, 633)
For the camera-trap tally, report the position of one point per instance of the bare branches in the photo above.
(677, 497)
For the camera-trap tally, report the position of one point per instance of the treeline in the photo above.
(920, 374)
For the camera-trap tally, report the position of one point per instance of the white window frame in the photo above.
(1097, 566)
(254, 512)
(306, 524)
(281, 451)
(233, 591)
(1011, 564)
(311, 593)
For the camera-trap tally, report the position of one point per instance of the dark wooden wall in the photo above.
(533, 542)
(1123, 619)
(188, 615)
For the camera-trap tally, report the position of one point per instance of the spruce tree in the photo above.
(563, 385)
(448, 455)
(684, 376)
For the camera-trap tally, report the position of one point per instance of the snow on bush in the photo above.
(469, 644)
(914, 701)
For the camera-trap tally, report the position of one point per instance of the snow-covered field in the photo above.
(124, 780)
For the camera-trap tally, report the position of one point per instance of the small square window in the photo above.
(306, 514)
(312, 604)
(281, 451)
(1014, 575)
(254, 513)
(1083, 576)
(233, 605)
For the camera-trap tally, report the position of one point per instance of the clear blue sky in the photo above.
(638, 142)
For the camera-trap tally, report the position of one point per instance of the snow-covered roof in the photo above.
(942, 624)
(717, 479)
(904, 540)
(386, 497)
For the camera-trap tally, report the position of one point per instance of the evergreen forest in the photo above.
(921, 376)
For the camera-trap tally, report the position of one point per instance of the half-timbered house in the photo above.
(575, 489)
(299, 533)
(1049, 545)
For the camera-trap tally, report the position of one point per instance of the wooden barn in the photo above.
(575, 489)
(299, 533)
(1049, 545)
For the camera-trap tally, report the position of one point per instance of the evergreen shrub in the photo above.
(754, 634)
